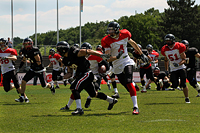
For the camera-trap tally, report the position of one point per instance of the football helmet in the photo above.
(185, 42)
(76, 45)
(149, 47)
(28, 43)
(86, 45)
(140, 46)
(156, 71)
(3, 43)
(169, 39)
(52, 51)
(99, 48)
(113, 27)
(62, 47)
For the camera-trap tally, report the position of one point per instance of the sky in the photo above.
(69, 16)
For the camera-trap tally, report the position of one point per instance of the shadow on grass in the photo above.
(84, 115)
(157, 103)
(18, 104)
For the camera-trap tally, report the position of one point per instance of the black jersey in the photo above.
(191, 55)
(161, 75)
(138, 57)
(79, 64)
(29, 54)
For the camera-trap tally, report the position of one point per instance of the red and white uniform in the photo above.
(7, 65)
(94, 60)
(54, 60)
(173, 55)
(115, 45)
(154, 56)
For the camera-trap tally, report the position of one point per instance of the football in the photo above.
(102, 69)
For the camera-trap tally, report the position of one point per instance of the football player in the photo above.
(56, 62)
(162, 80)
(7, 58)
(191, 54)
(145, 68)
(74, 58)
(154, 59)
(174, 53)
(36, 69)
(115, 44)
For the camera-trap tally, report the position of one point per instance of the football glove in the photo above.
(175, 64)
(4, 58)
(144, 58)
(105, 56)
(119, 54)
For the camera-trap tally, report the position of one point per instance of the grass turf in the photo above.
(160, 111)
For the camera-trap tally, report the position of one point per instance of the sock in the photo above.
(115, 90)
(70, 102)
(78, 103)
(134, 99)
(109, 99)
(114, 84)
(132, 89)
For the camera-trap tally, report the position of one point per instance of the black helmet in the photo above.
(86, 45)
(169, 37)
(113, 26)
(156, 71)
(185, 42)
(3, 41)
(149, 46)
(62, 47)
(76, 45)
(52, 51)
(28, 43)
(99, 48)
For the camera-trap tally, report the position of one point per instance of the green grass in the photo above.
(160, 111)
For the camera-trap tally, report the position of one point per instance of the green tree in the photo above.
(182, 19)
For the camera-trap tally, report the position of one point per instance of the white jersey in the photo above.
(7, 65)
(94, 60)
(174, 55)
(54, 60)
(116, 45)
(154, 56)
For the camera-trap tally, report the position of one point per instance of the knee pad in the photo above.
(76, 94)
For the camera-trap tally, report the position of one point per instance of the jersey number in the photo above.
(173, 57)
(53, 62)
(6, 61)
(121, 48)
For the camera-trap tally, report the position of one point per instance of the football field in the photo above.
(160, 112)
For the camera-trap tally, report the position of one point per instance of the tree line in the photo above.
(181, 18)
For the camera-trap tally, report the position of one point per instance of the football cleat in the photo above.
(187, 100)
(21, 99)
(110, 106)
(65, 108)
(65, 82)
(143, 90)
(198, 95)
(78, 111)
(88, 101)
(26, 100)
(116, 95)
(52, 89)
(135, 111)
